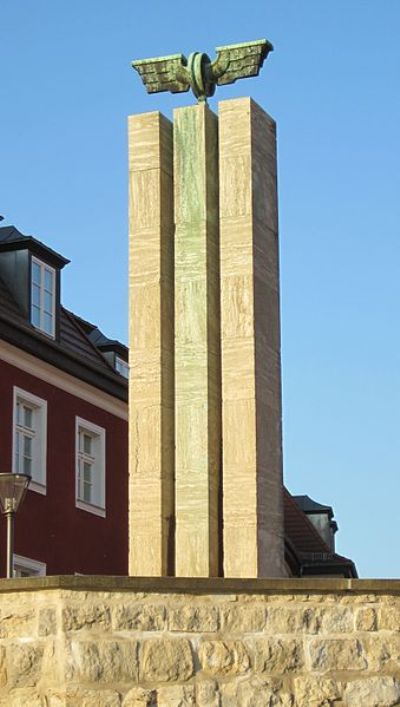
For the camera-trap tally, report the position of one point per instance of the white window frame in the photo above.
(123, 364)
(43, 266)
(40, 460)
(38, 569)
(100, 463)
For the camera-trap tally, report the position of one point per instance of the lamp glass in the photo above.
(13, 488)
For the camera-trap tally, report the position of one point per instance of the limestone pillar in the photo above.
(250, 342)
(197, 341)
(151, 322)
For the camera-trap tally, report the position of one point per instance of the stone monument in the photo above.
(205, 461)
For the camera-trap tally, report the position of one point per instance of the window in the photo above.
(121, 367)
(43, 297)
(90, 467)
(30, 438)
(25, 567)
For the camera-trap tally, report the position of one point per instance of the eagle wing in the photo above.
(239, 61)
(164, 73)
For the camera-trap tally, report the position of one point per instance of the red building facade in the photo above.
(63, 413)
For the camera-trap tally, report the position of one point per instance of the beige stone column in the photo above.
(250, 340)
(197, 344)
(151, 322)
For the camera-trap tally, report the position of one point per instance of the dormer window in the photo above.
(43, 297)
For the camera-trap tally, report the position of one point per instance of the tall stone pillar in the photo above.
(250, 340)
(151, 321)
(197, 341)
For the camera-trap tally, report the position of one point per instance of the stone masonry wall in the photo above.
(125, 642)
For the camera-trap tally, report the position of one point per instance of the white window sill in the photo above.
(90, 508)
(37, 487)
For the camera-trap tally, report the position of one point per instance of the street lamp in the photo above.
(13, 488)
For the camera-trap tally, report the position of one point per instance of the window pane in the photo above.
(27, 447)
(48, 302)
(36, 295)
(87, 472)
(48, 280)
(87, 444)
(35, 316)
(28, 417)
(48, 323)
(35, 273)
(27, 466)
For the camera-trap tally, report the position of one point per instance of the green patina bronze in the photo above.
(177, 74)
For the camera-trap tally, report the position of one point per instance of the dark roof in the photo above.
(100, 340)
(12, 239)
(305, 546)
(309, 506)
(73, 351)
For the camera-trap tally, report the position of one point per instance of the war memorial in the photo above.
(209, 615)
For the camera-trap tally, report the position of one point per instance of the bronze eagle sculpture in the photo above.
(177, 74)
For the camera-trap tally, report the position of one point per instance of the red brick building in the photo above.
(63, 412)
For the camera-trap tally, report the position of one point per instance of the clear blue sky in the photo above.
(332, 84)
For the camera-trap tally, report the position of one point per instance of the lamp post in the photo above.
(13, 488)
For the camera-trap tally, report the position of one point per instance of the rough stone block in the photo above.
(316, 692)
(366, 619)
(275, 655)
(47, 622)
(382, 691)
(222, 658)
(140, 697)
(164, 660)
(86, 616)
(193, 619)
(243, 619)
(24, 663)
(102, 661)
(337, 654)
(139, 617)
(176, 696)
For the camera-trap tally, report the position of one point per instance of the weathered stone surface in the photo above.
(165, 660)
(86, 616)
(366, 620)
(207, 694)
(383, 651)
(282, 619)
(47, 622)
(389, 618)
(382, 691)
(139, 617)
(3, 667)
(262, 692)
(24, 663)
(193, 619)
(17, 622)
(140, 697)
(27, 698)
(316, 692)
(337, 654)
(81, 697)
(275, 655)
(337, 619)
(176, 696)
(221, 658)
(243, 619)
(102, 661)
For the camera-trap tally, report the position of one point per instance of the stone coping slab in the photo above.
(189, 585)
